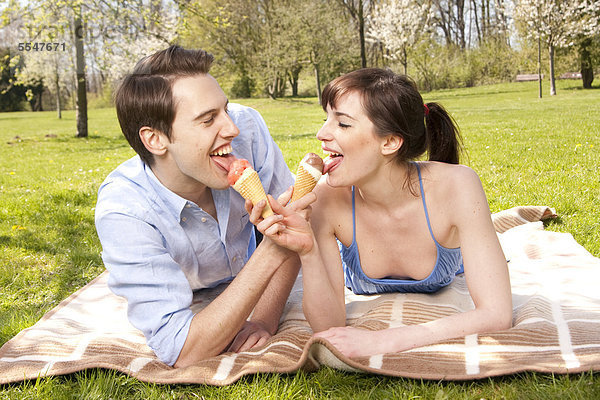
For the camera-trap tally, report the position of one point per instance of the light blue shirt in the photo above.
(159, 247)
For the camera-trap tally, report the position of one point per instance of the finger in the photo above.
(269, 222)
(304, 201)
(306, 213)
(262, 341)
(248, 206)
(273, 230)
(250, 342)
(238, 341)
(257, 209)
(285, 197)
(278, 208)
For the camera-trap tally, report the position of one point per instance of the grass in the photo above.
(528, 151)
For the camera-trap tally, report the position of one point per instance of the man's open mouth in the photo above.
(222, 156)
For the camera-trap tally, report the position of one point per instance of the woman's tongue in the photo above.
(224, 161)
(331, 162)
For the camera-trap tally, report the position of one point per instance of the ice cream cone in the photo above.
(307, 177)
(250, 187)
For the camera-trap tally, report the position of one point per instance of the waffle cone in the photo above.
(250, 187)
(305, 182)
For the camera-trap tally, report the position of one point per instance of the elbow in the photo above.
(187, 359)
(500, 320)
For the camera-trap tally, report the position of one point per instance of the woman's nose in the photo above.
(323, 133)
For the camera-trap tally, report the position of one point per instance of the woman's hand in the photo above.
(289, 226)
(353, 342)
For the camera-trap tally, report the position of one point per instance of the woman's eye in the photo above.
(342, 125)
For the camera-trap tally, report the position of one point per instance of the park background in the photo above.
(527, 150)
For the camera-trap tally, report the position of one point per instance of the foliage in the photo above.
(12, 95)
(557, 23)
(270, 42)
(399, 25)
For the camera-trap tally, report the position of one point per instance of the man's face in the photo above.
(200, 145)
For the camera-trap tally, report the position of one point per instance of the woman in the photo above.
(403, 225)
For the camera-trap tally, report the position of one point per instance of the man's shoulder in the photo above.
(124, 189)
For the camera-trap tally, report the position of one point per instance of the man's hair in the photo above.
(145, 97)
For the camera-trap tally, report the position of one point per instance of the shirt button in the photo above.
(234, 259)
(188, 205)
(203, 219)
(184, 219)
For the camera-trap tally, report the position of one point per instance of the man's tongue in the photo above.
(224, 161)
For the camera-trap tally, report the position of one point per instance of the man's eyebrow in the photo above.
(206, 113)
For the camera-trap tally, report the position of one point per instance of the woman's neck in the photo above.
(390, 187)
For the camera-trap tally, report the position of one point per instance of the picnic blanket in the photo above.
(556, 328)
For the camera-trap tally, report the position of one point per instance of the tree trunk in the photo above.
(58, 105)
(460, 23)
(539, 67)
(318, 81)
(293, 79)
(405, 60)
(587, 66)
(81, 109)
(361, 34)
(552, 80)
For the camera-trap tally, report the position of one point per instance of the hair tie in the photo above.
(426, 109)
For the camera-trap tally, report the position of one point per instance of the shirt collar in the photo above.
(173, 202)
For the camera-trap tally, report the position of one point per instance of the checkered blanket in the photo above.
(556, 325)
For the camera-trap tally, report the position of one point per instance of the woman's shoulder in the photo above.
(449, 175)
(454, 185)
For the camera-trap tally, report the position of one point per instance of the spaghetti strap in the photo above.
(424, 204)
(353, 217)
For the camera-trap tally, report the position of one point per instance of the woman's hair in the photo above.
(145, 98)
(395, 106)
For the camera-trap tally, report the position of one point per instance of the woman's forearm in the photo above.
(324, 307)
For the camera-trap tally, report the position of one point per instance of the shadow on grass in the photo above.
(63, 231)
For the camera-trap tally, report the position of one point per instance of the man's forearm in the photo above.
(213, 328)
(269, 308)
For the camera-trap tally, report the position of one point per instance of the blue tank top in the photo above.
(447, 265)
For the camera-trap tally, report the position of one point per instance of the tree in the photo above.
(359, 11)
(94, 32)
(555, 22)
(587, 35)
(399, 25)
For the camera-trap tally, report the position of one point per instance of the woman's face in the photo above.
(348, 136)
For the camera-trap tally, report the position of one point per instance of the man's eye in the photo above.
(208, 121)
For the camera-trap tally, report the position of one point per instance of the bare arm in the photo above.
(487, 278)
(315, 243)
(266, 315)
(214, 328)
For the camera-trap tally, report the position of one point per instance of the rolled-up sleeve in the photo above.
(143, 272)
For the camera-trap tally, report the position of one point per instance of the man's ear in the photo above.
(391, 144)
(155, 141)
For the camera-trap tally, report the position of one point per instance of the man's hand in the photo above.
(252, 334)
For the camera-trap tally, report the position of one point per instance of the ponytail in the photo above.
(443, 137)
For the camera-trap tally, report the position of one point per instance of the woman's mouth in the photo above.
(331, 162)
(222, 156)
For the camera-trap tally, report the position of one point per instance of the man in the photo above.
(170, 224)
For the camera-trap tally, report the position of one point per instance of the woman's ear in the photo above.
(154, 140)
(391, 144)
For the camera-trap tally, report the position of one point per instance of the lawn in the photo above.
(527, 151)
